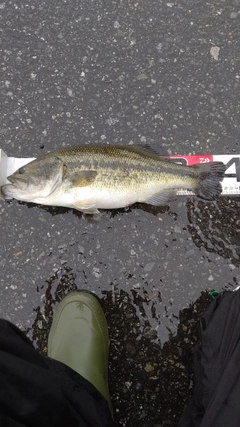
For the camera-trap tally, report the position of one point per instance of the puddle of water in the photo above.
(152, 268)
(216, 227)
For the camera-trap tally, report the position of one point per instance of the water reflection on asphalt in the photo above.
(216, 227)
(153, 284)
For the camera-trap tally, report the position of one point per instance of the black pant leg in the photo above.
(215, 401)
(36, 391)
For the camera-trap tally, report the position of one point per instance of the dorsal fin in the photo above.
(147, 150)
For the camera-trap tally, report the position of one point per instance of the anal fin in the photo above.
(161, 198)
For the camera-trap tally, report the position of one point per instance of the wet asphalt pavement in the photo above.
(155, 72)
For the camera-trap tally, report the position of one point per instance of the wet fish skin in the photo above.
(92, 177)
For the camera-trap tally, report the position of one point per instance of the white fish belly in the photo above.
(86, 197)
(102, 198)
(113, 200)
(105, 198)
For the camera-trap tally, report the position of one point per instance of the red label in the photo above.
(192, 160)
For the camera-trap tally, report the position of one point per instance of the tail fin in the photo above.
(209, 176)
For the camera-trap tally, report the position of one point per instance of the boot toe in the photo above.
(79, 338)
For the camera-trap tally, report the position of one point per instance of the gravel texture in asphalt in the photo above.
(151, 72)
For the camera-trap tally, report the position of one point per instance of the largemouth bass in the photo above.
(93, 177)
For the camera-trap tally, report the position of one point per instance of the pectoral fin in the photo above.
(86, 207)
(82, 178)
(162, 198)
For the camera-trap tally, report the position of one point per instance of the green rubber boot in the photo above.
(79, 338)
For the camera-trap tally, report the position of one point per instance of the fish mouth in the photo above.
(10, 179)
(20, 183)
(7, 191)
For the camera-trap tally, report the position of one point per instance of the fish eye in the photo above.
(21, 170)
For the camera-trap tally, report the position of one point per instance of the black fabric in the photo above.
(38, 391)
(216, 396)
